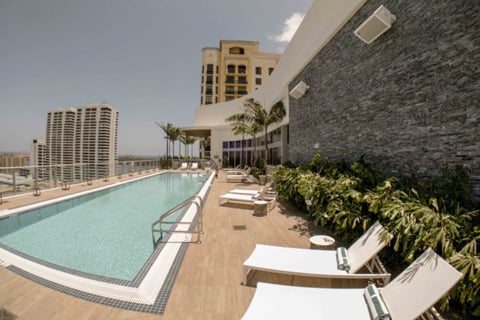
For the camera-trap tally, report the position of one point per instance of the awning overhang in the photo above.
(199, 132)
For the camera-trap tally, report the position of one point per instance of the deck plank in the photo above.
(208, 285)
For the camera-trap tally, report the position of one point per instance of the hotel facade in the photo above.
(406, 100)
(234, 69)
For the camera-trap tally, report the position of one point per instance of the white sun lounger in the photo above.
(236, 170)
(265, 193)
(246, 191)
(321, 263)
(237, 197)
(237, 178)
(408, 296)
(184, 166)
(194, 166)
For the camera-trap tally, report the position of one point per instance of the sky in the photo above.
(141, 56)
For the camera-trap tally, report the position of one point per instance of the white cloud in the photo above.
(289, 28)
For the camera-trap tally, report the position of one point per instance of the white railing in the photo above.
(24, 179)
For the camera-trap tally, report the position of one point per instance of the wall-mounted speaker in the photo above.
(299, 90)
(372, 28)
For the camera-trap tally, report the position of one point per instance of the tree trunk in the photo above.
(254, 149)
(266, 145)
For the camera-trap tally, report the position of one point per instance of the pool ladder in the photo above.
(157, 226)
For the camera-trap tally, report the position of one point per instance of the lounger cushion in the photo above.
(342, 259)
(375, 303)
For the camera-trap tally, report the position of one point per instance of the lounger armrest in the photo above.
(385, 277)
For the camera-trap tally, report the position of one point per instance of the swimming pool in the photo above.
(103, 237)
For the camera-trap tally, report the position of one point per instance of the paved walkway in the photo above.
(208, 284)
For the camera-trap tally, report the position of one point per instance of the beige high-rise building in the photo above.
(233, 70)
(16, 159)
(82, 141)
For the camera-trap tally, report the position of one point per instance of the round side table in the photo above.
(260, 207)
(322, 242)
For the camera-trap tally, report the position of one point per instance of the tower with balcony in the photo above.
(233, 70)
(81, 143)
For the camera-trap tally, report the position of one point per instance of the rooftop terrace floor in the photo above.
(208, 285)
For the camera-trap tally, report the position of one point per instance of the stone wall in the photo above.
(409, 102)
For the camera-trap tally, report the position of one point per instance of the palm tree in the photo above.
(252, 130)
(239, 124)
(187, 140)
(182, 139)
(205, 143)
(168, 129)
(257, 114)
(174, 135)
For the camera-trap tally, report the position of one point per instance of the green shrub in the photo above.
(434, 212)
(285, 183)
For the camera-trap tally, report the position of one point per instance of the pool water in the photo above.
(107, 233)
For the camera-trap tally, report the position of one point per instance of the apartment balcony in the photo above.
(239, 81)
(233, 92)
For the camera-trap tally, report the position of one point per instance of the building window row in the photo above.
(234, 79)
(231, 68)
(273, 136)
(239, 90)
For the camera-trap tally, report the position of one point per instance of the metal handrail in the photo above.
(215, 167)
(198, 228)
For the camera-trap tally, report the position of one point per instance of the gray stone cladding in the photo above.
(409, 102)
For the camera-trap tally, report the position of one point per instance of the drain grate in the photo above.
(6, 315)
(239, 227)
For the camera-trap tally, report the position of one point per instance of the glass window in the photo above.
(209, 79)
(270, 70)
(237, 50)
(209, 89)
(242, 69)
(258, 70)
(209, 68)
(242, 80)
(258, 81)
(225, 144)
(231, 144)
(229, 90)
(242, 90)
(230, 79)
(229, 98)
(231, 68)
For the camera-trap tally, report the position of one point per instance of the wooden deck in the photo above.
(208, 285)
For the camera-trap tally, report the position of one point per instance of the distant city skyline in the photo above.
(142, 57)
